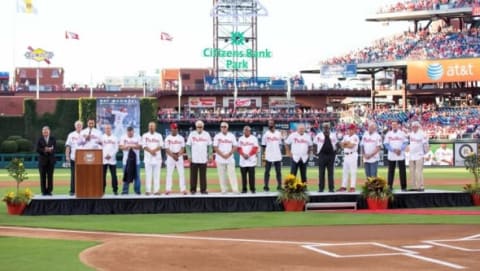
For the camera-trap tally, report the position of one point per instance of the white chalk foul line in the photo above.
(400, 252)
(166, 236)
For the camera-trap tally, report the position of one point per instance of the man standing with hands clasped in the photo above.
(418, 147)
(396, 142)
(224, 145)
(326, 146)
(175, 148)
(299, 146)
(248, 148)
(271, 142)
(199, 150)
(371, 145)
(152, 158)
(46, 160)
(350, 153)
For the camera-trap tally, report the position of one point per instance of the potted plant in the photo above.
(17, 201)
(472, 163)
(376, 192)
(293, 194)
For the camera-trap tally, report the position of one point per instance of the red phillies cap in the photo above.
(173, 126)
(352, 127)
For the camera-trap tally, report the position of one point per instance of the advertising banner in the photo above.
(202, 102)
(119, 113)
(442, 71)
(335, 71)
(281, 102)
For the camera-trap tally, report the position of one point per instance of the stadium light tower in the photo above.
(235, 31)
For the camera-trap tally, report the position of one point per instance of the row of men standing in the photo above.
(199, 149)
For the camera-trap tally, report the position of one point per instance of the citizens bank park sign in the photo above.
(236, 61)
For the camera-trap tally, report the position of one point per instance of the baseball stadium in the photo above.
(365, 159)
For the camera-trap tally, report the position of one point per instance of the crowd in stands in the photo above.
(438, 123)
(418, 5)
(445, 43)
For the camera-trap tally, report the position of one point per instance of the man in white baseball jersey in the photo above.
(199, 150)
(299, 145)
(326, 147)
(395, 142)
(271, 142)
(418, 147)
(119, 115)
(371, 145)
(248, 148)
(132, 142)
(350, 158)
(174, 149)
(110, 149)
(428, 157)
(444, 156)
(225, 145)
(74, 141)
(152, 158)
(92, 136)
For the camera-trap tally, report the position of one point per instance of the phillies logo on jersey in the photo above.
(129, 142)
(199, 139)
(108, 141)
(152, 140)
(369, 140)
(174, 142)
(224, 141)
(300, 141)
(246, 143)
(272, 138)
(395, 138)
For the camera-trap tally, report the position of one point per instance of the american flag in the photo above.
(165, 36)
(71, 35)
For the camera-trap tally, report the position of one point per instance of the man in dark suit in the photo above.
(46, 160)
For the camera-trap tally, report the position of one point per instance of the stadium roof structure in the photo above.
(420, 15)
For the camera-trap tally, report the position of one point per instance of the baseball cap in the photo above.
(173, 126)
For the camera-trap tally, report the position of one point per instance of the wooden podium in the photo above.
(88, 173)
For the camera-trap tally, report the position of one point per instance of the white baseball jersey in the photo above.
(320, 139)
(110, 147)
(125, 140)
(199, 144)
(95, 138)
(119, 117)
(74, 141)
(247, 144)
(395, 140)
(299, 145)
(174, 144)
(428, 159)
(351, 139)
(443, 154)
(152, 140)
(224, 143)
(418, 143)
(370, 142)
(272, 142)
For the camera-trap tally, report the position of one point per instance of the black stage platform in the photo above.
(216, 202)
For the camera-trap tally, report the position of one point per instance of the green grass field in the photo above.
(65, 253)
(24, 254)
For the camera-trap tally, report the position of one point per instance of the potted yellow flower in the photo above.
(17, 201)
(376, 193)
(293, 194)
(472, 164)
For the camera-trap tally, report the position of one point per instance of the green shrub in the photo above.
(24, 145)
(60, 147)
(9, 146)
(14, 137)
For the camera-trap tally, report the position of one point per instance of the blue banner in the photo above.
(347, 70)
(221, 83)
(119, 113)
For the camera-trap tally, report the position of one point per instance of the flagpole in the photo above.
(38, 80)
(180, 90)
